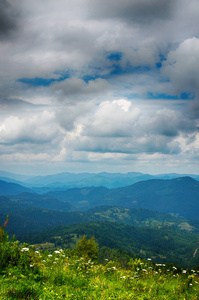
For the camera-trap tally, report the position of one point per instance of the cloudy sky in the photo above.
(99, 85)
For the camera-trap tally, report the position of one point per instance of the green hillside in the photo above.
(26, 273)
(162, 243)
(24, 219)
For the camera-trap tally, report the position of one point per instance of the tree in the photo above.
(88, 249)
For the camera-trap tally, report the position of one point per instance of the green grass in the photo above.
(26, 273)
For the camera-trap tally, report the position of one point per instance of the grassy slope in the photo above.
(62, 275)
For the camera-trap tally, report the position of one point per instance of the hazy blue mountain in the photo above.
(70, 180)
(8, 188)
(11, 203)
(66, 180)
(178, 196)
(17, 177)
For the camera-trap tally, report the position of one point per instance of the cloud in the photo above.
(36, 129)
(182, 69)
(119, 127)
(99, 81)
(112, 119)
(182, 66)
(133, 11)
(76, 87)
(9, 17)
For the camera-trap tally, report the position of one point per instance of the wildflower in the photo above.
(57, 251)
(6, 222)
(31, 266)
(49, 255)
(124, 277)
(24, 249)
(184, 271)
(56, 258)
(44, 260)
(148, 258)
(37, 252)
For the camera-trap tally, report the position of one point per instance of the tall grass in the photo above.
(27, 273)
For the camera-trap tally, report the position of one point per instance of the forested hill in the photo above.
(179, 196)
(162, 244)
(10, 188)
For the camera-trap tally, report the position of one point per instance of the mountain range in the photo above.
(170, 203)
(178, 196)
(66, 180)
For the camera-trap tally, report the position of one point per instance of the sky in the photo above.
(99, 85)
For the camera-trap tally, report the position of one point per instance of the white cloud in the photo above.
(37, 129)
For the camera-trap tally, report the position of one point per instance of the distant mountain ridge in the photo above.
(8, 188)
(177, 196)
(66, 180)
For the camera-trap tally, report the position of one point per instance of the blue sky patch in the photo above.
(87, 78)
(115, 56)
(38, 81)
(184, 96)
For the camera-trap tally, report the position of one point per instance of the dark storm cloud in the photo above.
(133, 11)
(9, 17)
(14, 103)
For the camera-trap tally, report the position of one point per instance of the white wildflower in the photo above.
(25, 249)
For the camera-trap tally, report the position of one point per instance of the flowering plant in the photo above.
(2, 230)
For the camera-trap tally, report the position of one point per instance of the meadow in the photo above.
(30, 273)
